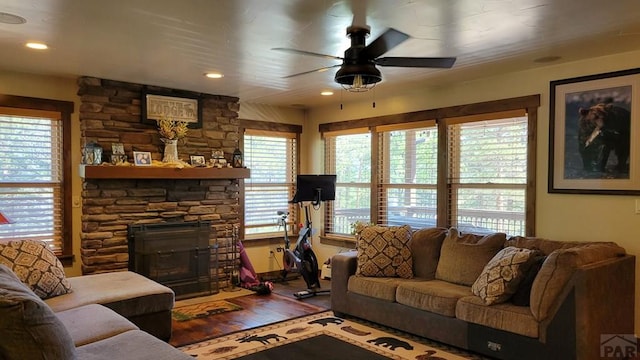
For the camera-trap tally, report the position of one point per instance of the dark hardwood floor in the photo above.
(257, 310)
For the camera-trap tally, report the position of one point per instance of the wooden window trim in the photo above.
(474, 111)
(65, 109)
(255, 127)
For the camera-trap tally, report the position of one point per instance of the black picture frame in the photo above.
(171, 105)
(593, 123)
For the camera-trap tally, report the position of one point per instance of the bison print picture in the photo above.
(598, 134)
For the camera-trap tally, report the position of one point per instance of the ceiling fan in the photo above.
(358, 70)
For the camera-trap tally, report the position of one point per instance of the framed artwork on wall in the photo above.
(594, 134)
(156, 106)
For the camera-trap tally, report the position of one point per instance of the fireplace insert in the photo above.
(177, 255)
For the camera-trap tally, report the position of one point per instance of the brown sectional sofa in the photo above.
(581, 291)
(76, 326)
(144, 302)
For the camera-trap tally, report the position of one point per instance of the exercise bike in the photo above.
(311, 190)
(302, 258)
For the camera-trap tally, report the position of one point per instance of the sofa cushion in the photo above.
(93, 322)
(28, 327)
(384, 252)
(134, 344)
(435, 296)
(36, 266)
(127, 293)
(501, 277)
(506, 316)
(558, 269)
(425, 251)
(376, 287)
(463, 256)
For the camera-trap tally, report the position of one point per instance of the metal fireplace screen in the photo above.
(177, 255)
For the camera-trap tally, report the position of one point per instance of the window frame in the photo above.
(529, 104)
(453, 133)
(64, 109)
(266, 126)
(330, 168)
(384, 185)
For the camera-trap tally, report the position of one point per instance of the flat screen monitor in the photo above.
(315, 188)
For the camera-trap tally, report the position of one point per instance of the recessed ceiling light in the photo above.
(7, 18)
(326, 93)
(37, 46)
(213, 75)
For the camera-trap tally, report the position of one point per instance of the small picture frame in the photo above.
(198, 160)
(117, 148)
(118, 159)
(142, 158)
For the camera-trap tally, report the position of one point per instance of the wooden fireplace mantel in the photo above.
(153, 172)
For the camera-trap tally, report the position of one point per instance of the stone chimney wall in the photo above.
(111, 113)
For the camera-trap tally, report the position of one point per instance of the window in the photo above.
(488, 175)
(272, 157)
(34, 187)
(473, 168)
(348, 156)
(408, 176)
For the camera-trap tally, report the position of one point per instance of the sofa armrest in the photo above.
(598, 299)
(343, 265)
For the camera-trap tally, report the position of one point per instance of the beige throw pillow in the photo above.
(36, 266)
(502, 275)
(463, 256)
(425, 249)
(384, 252)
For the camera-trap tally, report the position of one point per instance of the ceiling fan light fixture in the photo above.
(358, 78)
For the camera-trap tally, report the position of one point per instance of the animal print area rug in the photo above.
(320, 336)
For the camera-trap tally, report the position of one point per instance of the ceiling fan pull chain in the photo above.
(373, 94)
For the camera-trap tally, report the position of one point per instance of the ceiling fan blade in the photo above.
(430, 62)
(313, 71)
(308, 53)
(385, 42)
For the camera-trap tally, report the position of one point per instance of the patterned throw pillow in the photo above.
(384, 252)
(502, 275)
(36, 266)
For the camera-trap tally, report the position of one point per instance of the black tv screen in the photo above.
(315, 188)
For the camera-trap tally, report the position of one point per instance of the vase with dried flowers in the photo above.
(170, 132)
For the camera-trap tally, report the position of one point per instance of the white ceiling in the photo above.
(173, 43)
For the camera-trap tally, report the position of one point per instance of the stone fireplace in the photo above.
(115, 198)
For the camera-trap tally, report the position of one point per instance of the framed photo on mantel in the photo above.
(156, 106)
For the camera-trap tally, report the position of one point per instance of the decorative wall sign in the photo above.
(176, 108)
(594, 134)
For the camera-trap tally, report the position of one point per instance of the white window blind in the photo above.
(272, 158)
(408, 177)
(349, 158)
(31, 178)
(488, 175)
